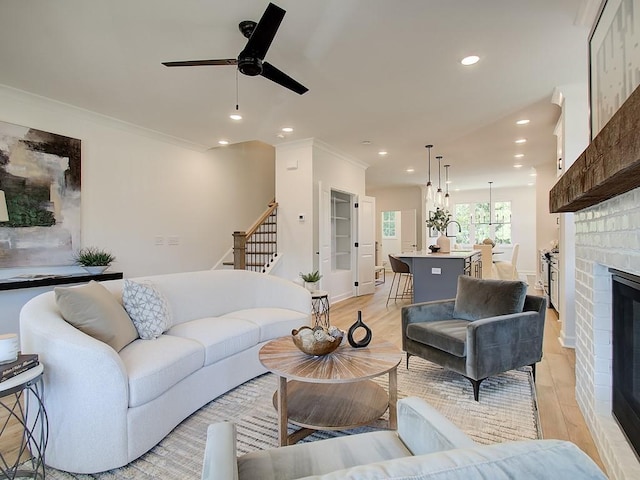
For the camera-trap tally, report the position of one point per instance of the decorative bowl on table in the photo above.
(318, 340)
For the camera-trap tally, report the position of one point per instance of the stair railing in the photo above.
(258, 246)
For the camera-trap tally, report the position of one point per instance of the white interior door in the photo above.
(366, 251)
(408, 237)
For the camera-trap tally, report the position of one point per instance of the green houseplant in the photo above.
(311, 279)
(93, 259)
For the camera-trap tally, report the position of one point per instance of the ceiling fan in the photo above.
(251, 59)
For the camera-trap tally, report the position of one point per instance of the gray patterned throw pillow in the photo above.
(147, 307)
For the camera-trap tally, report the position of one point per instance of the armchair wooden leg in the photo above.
(476, 387)
(533, 371)
(408, 355)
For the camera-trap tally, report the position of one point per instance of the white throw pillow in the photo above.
(147, 307)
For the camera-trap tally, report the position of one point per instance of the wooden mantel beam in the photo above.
(610, 165)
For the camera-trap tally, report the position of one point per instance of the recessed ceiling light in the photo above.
(521, 140)
(280, 135)
(235, 116)
(530, 184)
(457, 190)
(524, 121)
(470, 60)
(287, 129)
(383, 152)
(517, 165)
(410, 170)
(533, 174)
(223, 142)
(448, 182)
(519, 155)
(366, 142)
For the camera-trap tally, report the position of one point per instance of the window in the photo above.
(476, 224)
(389, 224)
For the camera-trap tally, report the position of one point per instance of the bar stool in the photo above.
(401, 271)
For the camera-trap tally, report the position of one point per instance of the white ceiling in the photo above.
(386, 71)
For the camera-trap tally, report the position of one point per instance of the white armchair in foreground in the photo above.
(426, 445)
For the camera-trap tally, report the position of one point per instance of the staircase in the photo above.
(257, 248)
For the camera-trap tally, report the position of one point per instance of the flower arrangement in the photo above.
(440, 220)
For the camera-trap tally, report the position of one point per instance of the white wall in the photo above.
(523, 221)
(138, 184)
(300, 167)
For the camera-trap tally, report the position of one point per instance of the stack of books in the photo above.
(24, 362)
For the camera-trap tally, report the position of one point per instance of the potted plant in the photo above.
(93, 259)
(311, 280)
(440, 220)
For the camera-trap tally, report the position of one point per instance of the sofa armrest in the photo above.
(501, 343)
(220, 461)
(424, 430)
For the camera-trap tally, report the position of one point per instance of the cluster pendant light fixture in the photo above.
(429, 186)
(490, 203)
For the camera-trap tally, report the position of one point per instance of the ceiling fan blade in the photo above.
(198, 63)
(278, 76)
(265, 30)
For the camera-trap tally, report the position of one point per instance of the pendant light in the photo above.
(438, 201)
(429, 186)
(447, 197)
(490, 203)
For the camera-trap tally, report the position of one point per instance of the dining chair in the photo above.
(505, 270)
(486, 259)
(401, 273)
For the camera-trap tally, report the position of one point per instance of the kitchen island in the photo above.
(435, 275)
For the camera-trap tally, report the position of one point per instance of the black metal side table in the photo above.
(21, 401)
(320, 308)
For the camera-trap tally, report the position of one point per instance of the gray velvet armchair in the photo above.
(492, 326)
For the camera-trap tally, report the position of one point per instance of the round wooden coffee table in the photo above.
(332, 392)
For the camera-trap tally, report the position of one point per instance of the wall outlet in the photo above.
(173, 240)
(436, 271)
(159, 240)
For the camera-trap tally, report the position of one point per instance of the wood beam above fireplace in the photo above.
(610, 165)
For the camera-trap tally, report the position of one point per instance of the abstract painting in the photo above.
(40, 176)
(614, 59)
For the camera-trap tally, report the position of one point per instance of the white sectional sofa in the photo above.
(107, 408)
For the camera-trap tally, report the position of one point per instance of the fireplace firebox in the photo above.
(626, 354)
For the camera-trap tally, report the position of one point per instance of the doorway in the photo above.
(398, 233)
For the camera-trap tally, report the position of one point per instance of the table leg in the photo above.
(283, 433)
(393, 399)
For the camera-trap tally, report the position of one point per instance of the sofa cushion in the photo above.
(92, 309)
(447, 335)
(147, 307)
(297, 461)
(155, 366)
(477, 298)
(220, 337)
(273, 322)
(539, 459)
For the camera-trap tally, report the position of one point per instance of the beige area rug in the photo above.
(506, 411)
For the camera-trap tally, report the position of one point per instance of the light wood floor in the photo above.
(555, 374)
(555, 379)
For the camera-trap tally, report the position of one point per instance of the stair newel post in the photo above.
(239, 250)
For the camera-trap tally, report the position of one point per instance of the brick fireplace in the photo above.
(602, 188)
(607, 236)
